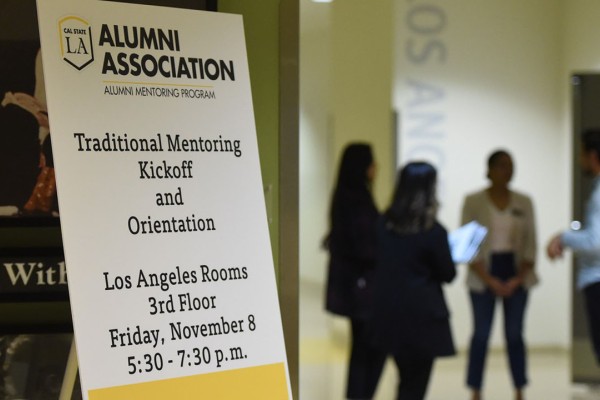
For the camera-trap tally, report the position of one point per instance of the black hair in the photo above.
(414, 205)
(352, 191)
(352, 182)
(591, 141)
(356, 160)
(495, 156)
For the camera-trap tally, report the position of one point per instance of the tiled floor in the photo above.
(323, 356)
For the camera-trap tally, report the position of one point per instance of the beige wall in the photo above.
(315, 135)
(473, 77)
(362, 82)
(466, 77)
(345, 92)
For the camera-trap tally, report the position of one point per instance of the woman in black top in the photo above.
(410, 317)
(352, 248)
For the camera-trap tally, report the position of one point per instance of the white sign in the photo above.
(171, 277)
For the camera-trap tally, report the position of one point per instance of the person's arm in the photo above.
(514, 283)
(495, 284)
(469, 214)
(478, 264)
(588, 238)
(529, 249)
(363, 235)
(443, 268)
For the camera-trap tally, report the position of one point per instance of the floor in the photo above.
(323, 356)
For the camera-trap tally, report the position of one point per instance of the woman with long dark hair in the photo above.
(352, 247)
(410, 317)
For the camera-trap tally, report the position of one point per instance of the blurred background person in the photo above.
(352, 249)
(502, 270)
(586, 241)
(410, 315)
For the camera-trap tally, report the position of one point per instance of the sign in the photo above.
(28, 274)
(165, 233)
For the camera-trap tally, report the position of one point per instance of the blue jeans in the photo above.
(592, 302)
(483, 305)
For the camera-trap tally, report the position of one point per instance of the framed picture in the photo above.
(33, 274)
(35, 329)
(34, 296)
(37, 354)
(27, 185)
(38, 367)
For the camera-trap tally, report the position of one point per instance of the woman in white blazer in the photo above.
(502, 271)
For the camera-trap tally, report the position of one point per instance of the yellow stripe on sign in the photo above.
(266, 382)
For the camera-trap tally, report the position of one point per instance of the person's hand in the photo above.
(497, 287)
(555, 248)
(512, 285)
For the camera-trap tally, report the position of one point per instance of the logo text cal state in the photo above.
(76, 42)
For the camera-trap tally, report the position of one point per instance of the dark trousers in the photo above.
(592, 304)
(483, 305)
(414, 377)
(366, 363)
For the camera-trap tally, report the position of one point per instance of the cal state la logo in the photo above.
(76, 42)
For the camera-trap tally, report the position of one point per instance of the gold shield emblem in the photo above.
(76, 41)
